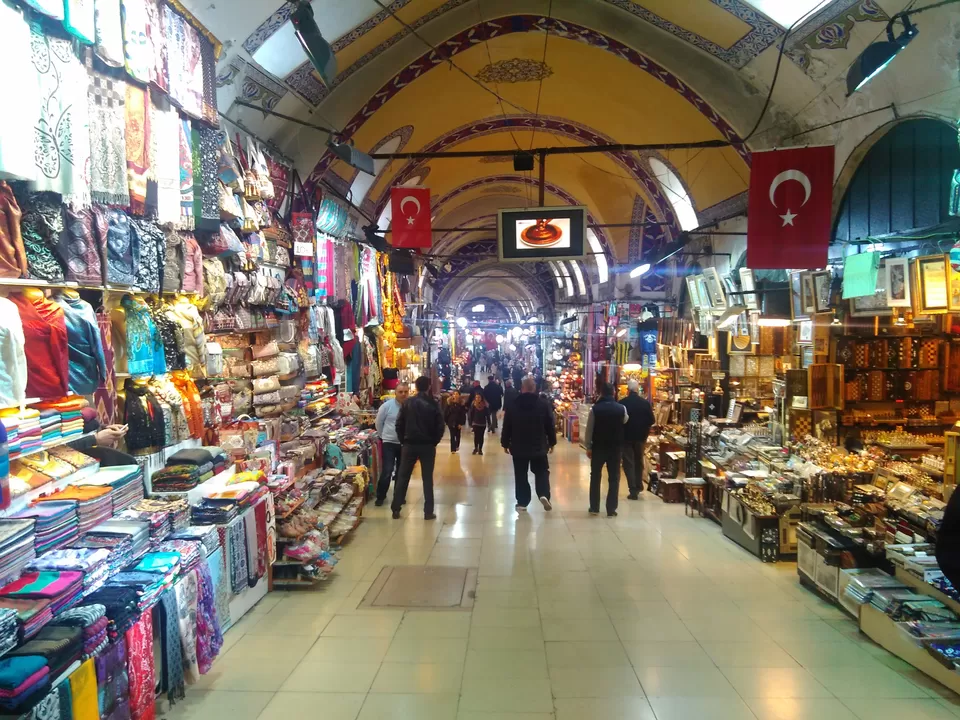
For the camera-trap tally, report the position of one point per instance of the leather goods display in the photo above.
(266, 384)
(262, 352)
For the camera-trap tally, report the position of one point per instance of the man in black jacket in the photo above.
(635, 437)
(948, 540)
(604, 442)
(493, 394)
(420, 430)
(528, 435)
(510, 394)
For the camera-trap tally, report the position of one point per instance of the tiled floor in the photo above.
(651, 615)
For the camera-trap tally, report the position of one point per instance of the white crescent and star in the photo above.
(786, 176)
(411, 219)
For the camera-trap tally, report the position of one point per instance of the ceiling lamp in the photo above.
(462, 322)
(640, 270)
(478, 308)
(517, 331)
(879, 54)
(500, 338)
(318, 50)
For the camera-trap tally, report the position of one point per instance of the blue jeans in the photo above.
(389, 468)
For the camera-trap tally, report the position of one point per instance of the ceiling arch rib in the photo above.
(518, 294)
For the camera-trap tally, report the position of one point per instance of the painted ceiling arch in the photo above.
(522, 292)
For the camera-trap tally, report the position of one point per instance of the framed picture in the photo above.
(876, 304)
(806, 356)
(715, 292)
(694, 292)
(740, 344)
(747, 285)
(953, 284)
(932, 286)
(805, 334)
(822, 280)
(807, 294)
(796, 302)
(897, 282)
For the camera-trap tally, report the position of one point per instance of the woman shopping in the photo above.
(479, 413)
(455, 416)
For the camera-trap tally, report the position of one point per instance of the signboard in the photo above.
(544, 233)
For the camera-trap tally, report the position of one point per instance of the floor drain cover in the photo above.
(418, 587)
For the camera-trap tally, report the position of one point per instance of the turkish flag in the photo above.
(410, 226)
(788, 211)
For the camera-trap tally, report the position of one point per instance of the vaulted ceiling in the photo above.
(567, 72)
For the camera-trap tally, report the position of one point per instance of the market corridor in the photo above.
(648, 615)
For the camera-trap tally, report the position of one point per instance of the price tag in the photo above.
(303, 249)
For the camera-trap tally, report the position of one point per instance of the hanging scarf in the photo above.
(260, 517)
(103, 396)
(109, 31)
(112, 681)
(186, 176)
(137, 53)
(250, 535)
(173, 682)
(165, 130)
(238, 556)
(108, 148)
(221, 583)
(206, 189)
(271, 520)
(187, 593)
(41, 224)
(83, 692)
(79, 20)
(208, 62)
(209, 636)
(54, 706)
(139, 640)
(137, 110)
(157, 45)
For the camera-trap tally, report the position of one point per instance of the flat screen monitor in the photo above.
(544, 233)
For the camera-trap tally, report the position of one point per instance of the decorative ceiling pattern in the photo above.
(514, 70)
(830, 29)
(255, 86)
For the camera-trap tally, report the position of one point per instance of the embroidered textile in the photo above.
(108, 145)
(122, 255)
(137, 53)
(140, 668)
(208, 60)
(209, 635)
(40, 227)
(238, 555)
(165, 132)
(137, 108)
(78, 249)
(109, 31)
(153, 247)
(206, 198)
(103, 396)
(187, 595)
(184, 63)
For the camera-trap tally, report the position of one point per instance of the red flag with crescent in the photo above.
(789, 207)
(410, 226)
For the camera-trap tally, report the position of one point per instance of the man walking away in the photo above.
(510, 394)
(517, 375)
(387, 430)
(604, 442)
(635, 437)
(493, 394)
(420, 429)
(528, 435)
(456, 417)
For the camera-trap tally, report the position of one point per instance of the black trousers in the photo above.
(454, 438)
(388, 469)
(633, 465)
(541, 477)
(611, 458)
(492, 420)
(427, 455)
(478, 437)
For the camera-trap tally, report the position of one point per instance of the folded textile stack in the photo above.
(94, 504)
(16, 547)
(122, 609)
(47, 464)
(60, 647)
(219, 458)
(29, 432)
(24, 680)
(76, 458)
(71, 424)
(57, 524)
(180, 478)
(158, 520)
(207, 535)
(32, 613)
(61, 588)
(214, 512)
(50, 432)
(129, 539)
(11, 425)
(92, 619)
(9, 630)
(148, 586)
(92, 562)
(124, 481)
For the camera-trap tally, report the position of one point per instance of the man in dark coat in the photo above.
(528, 435)
(420, 430)
(635, 437)
(604, 442)
(510, 394)
(493, 394)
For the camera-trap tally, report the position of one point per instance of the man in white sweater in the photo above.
(387, 430)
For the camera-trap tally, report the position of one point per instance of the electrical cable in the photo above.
(486, 45)
(543, 67)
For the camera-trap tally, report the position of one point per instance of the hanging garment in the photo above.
(40, 228)
(140, 669)
(208, 60)
(185, 64)
(45, 334)
(144, 416)
(237, 541)
(172, 681)
(21, 82)
(157, 43)
(112, 681)
(186, 176)
(79, 20)
(13, 360)
(209, 634)
(109, 31)
(178, 427)
(171, 335)
(104, 397)
(137, 53)
(137, 114)
(173, 265)
(192, 265)
(152, 247)
(187, 596)
(165, 132)
(206, 189)
(78, 247)
(87, 364)
(108, 145)
(121, 253)
(142, 341)
(83, 692)
(194, 340)
(13, 257)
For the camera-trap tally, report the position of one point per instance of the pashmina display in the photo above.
(221, 583)
(112, 682)
(20, 82)
(139, 639)
(40, 227)
(165, 130)
(108, 145)
(209, 635)
(186, 176)
(109, 31)
(208, 61)
(23, 681)
(9, 630)
(113, 231)
(206, 191)
(61, 646)
(137, 109)
(78, 249)
(185, 64)
(103, 397)
(32, 614)
(238, 555)
(157, 42)
(153, 247)
(79, 20)
(137, 53)
(172, 680)
(83, 692)
(250, 536)
(187, 596)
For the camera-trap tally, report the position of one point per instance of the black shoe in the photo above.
(429, 516)
(379, 503)
(612, 513)
(632, 496)
(479, 452)
(396, 514)
(593, 512)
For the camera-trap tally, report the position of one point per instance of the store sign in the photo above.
(789, 206)
(303, 249)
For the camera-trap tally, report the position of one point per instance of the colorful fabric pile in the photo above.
(28, 431)
(11, 425)
(147, 586)
(128, 539)
(9, 630)
(57, 524)
(59, 646)
(32, 614)
(62, 588)
(125, 483)
(92, 562)
(93, 503)
(190, 552)
(50, 432)
(17, 547)
(180, 478)
(74, 457)
(92, 619)
(24, 680)
(205, 534)
(71, 424)
(121, 603)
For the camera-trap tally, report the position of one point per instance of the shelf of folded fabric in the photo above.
(22, 502)
(196, 494)
(26, 401)
(61, 441)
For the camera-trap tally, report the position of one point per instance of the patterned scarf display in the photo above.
(112, 682)
(238, 555)
(209, 636)
(139, 639)
(103, 396)
(54, 706)
(109, 32)
(206, 190)
(137, 109)
(83, 692)
(250, 535)
(40, 227)
(165, 131)
(271, 521)
(208, 62)
(187, 594)
(108, 145)
(157, 43)
(184, 63)
(137, 52)
(221, 584)
(186, 176)
(260, 518)
(173, 682)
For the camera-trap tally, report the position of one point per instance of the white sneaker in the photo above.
(521, 508)
(546, 503)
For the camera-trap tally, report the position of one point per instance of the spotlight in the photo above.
(352, 157)
(640, 270)
(317, 49)
(567, 321)
(880, 54)
(500, 339)
(377, 242)
(462, 322)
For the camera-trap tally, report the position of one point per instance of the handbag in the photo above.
(214, 359)
(267, 398)
(214, 282)
(270, 366)
(229, 207)
(289, 392)
(261, 352)
(266, 384)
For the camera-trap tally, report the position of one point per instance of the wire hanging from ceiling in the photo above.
(543, 67)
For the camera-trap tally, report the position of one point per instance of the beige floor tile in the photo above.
(578, 629)
(586, 654)
(642, 630)
(327, 676)
(220, 705)
(506, 663)
(355, 626)
(418, 678)
(867, 682)
(506, 617)
(749, 654)
(507, 583)
(684, 682)
(470, 715)
(427, 650)
(585, 682)
(385, 706)
(349, 650)
(506, 599)
(668, 654)
(306, 706)
(504, 694)
(506, 638)
(800, 709)
(619, 708)
(278, 622)
(893, 709)
(446, 624)
(714, 708)
(832, 654)
(775, 683)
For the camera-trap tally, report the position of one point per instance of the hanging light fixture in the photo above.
(878, 55)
